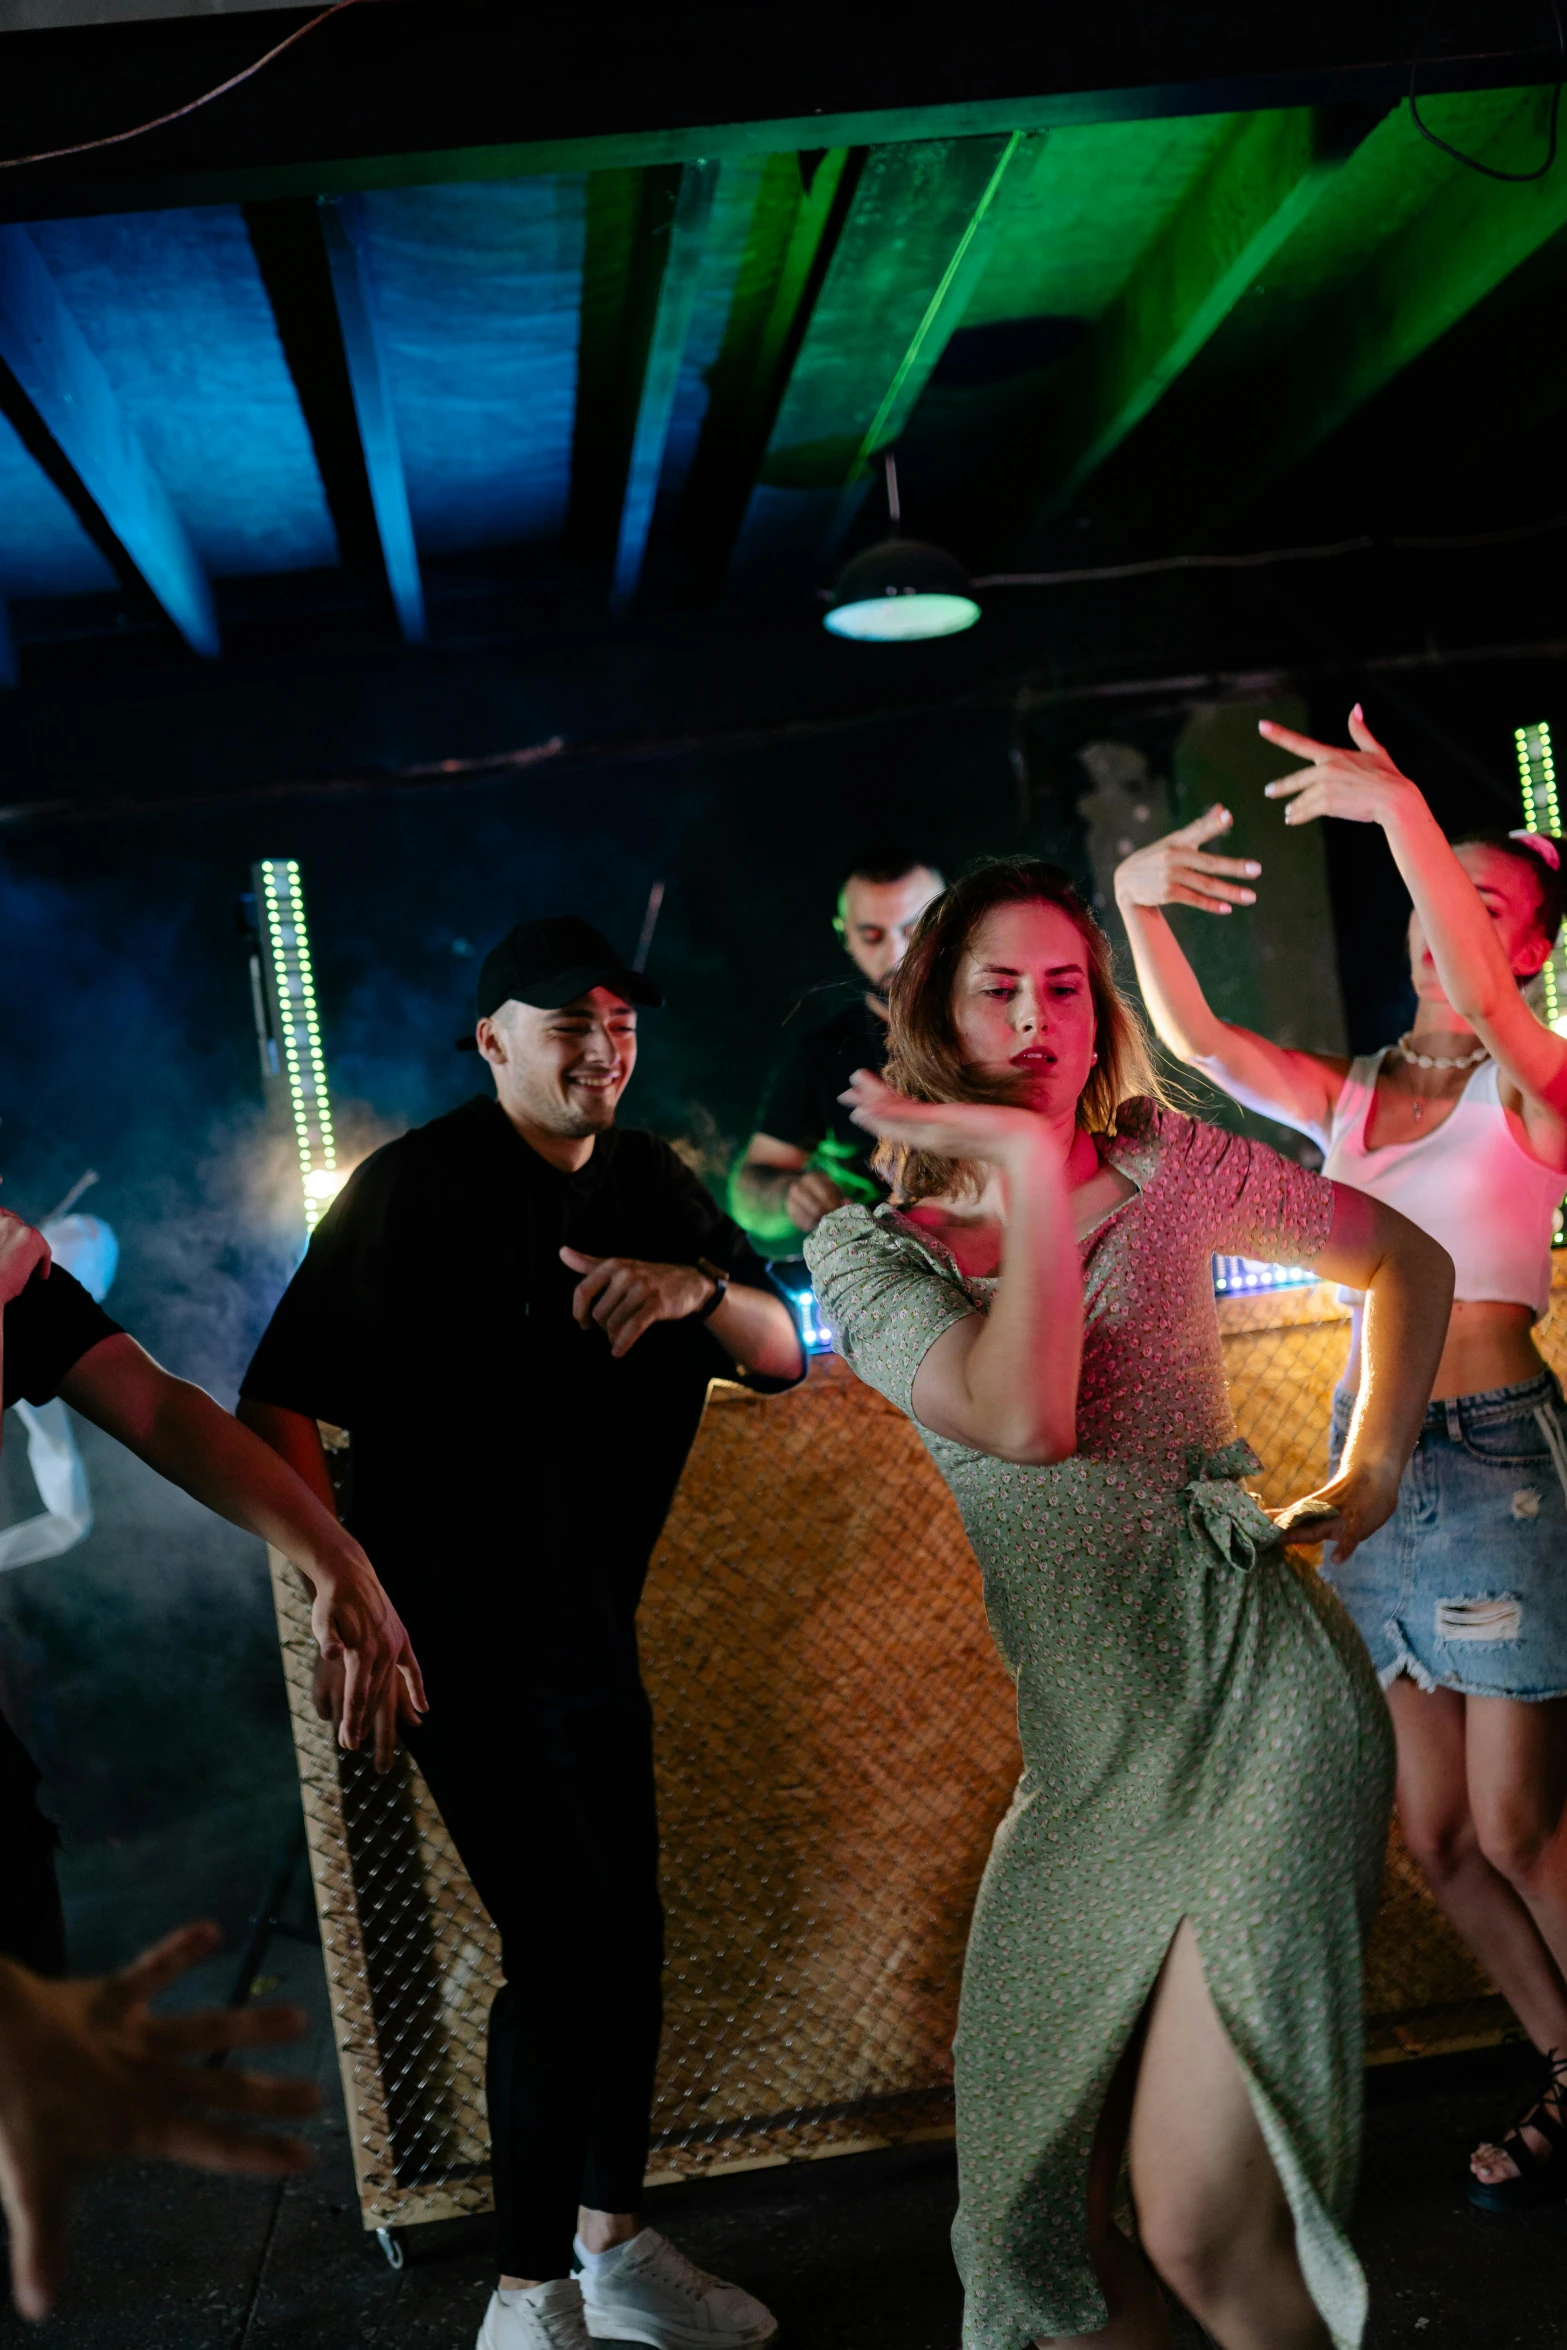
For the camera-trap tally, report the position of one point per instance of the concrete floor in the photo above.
(852, 2254)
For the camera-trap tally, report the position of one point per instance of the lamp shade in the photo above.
(899, 590)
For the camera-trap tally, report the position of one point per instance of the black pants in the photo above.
(552, 1810)
(32, 1927)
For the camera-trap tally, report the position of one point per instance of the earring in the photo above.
(1092, 1058)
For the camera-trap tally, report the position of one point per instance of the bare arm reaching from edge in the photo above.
(1408, 1282)
(1299, 1089)
(1004, 1382)
(178, 1430)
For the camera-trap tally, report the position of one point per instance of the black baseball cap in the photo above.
(551, 963)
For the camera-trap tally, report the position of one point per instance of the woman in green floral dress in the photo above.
(1165, 1959)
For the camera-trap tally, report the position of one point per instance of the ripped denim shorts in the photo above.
(1465, 1587)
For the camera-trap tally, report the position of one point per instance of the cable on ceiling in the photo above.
(178, 113)
(1266, 555)
(1518, 178)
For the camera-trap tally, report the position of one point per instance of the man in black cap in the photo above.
(516, 1311)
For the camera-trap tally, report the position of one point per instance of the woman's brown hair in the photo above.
(924, 1059)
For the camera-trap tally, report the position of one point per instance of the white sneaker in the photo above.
(545, 2317)
(654, 2294)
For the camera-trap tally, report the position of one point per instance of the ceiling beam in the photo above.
(802, 205)
(348, 264)
(630, 224)
(942, 314)
(685, 247)
(1413, 287)
(423, 93)
(1252, 194)
(906, 263)
(70, 418)
(290, 251)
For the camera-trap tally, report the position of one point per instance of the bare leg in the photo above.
(1137, 2314)
(1517, 1780)
(1517, 1764)
(1211, 2212)
(1436, 1772)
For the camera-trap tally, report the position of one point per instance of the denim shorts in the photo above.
(1465, 1587)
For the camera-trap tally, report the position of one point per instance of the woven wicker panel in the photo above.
(835, 1746)
(836, 1743)
(412, 1961)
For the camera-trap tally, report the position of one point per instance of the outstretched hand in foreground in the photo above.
(87, 2073)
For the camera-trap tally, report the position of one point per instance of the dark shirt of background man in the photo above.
(802, 1102)
(806, 1156)
(48, 1329)
(506, 1471)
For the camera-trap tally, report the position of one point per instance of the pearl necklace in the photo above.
(1436, 1061)
(1440, 1061)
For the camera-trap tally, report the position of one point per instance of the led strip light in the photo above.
(286, 943)
(1537, 785)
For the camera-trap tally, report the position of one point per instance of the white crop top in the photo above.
(1469, 1183)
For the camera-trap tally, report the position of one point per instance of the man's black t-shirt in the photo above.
(48, 1329)
(802, 1104)
(509, 1477)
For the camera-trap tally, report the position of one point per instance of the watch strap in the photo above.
(720, 1280)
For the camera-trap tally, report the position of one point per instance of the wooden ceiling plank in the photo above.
(943, 313)
(687, 245)
(62, 404)
(353, 291)
(878, 327)
(1410, 291)
(630, 221)
(1242, 206)
(286, 237)
(795, 227)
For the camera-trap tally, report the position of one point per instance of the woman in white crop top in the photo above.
(1462, 1126)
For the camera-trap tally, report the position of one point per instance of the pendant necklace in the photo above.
(1437, 1061)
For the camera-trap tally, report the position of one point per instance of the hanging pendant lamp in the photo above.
(901, 589)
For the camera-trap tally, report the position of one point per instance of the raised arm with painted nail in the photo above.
(1476, 919)
(1297, 1088)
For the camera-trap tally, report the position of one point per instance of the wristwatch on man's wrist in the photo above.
(720, 1280)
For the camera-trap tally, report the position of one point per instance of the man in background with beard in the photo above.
(807, 1157)
(515, 1311)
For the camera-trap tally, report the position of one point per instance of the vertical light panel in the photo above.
(1537, 787)
(291, 994)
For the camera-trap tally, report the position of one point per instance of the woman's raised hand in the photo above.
(991, 1132)
(1176, 871)
(1361, 785)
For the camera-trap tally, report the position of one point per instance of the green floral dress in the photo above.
(1202, 1733)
